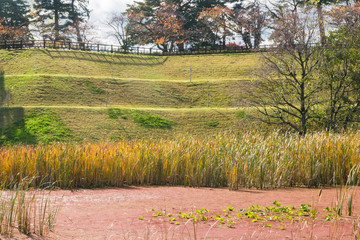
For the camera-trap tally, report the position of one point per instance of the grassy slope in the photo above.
(71, 82)
(93, 124)
(85, 91)
(73, 63)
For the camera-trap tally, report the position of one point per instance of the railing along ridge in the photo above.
(106, 48)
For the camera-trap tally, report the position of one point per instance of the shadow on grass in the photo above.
(10, 115)
(120, 59)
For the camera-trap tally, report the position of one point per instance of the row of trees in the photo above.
(168, 24)
(305, 85)
(49, 19)
(207, 23)
(165, 23)
(174, 23)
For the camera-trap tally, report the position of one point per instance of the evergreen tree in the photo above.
(53, 16)
(14, 13)
(187, 10)
(14, 19)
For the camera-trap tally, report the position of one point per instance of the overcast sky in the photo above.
(100, 9)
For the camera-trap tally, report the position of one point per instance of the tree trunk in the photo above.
(163, 47)
(76, 22)
(56, 23)
(321, 23)
(257, 38)
(303, 110)
(247, 40)
(180, 47)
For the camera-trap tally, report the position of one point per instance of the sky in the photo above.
(100, 9)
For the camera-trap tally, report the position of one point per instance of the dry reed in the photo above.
(251, 160)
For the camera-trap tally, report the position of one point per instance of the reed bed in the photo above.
(250, 160)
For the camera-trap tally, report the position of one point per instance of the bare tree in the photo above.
(118, 23)
(287, 92)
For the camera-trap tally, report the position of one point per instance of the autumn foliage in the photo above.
(217, 20)
(348, 15)
(10, 32)
(164, 28)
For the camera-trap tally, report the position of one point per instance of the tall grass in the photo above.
(26, 210)
(250, 160)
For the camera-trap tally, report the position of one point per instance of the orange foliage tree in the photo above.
(217, 22)
(11, 32)
(164, 28)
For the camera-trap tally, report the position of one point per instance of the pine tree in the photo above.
(14, 20)
(53, 15)
(14, 13)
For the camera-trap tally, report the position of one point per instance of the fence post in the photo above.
(6, 98)
(207, 102)
(69, 45)
(138, 50)
(44, 43)
(111, 48)
(190, 74)
(21, 44)
(98, 48)
(54, 44)
(5, 44)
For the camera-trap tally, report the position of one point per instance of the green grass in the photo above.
(102, 123)
(243, 115)
(7, 55)
(151, 121)
(214, 123)
(153, 95)
(150, 96)
(41, 125)
(93, 88)
(142, 118)
(77, 63)
(72, 91)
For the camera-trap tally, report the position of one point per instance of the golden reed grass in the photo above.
(251, 160)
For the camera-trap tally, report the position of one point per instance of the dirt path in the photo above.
(115, 213)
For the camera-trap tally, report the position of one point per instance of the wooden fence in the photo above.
(105, 48)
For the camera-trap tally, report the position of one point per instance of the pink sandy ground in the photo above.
(114, 214)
